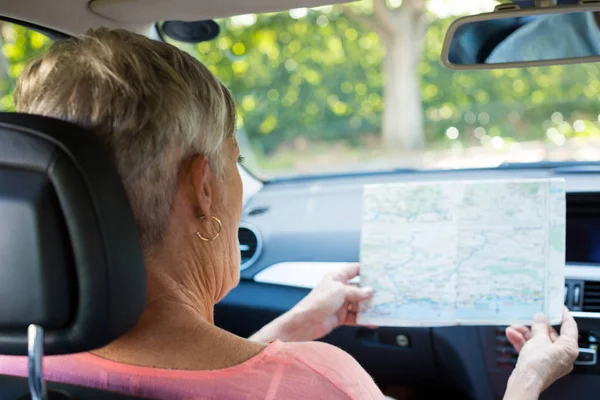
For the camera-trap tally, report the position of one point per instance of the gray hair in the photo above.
(151, 104)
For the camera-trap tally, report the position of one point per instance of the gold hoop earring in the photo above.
(220, 228)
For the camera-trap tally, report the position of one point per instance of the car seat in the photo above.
(72, 275)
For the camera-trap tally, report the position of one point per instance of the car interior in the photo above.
(71, 268)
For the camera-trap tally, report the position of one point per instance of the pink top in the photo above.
(290, 371)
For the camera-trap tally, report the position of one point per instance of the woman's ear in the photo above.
(202, 195)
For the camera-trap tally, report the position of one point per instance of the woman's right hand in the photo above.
(544, 355)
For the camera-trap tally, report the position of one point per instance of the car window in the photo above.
(350, 88)
(19, 45)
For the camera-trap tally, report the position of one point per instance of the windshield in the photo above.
(360, 87)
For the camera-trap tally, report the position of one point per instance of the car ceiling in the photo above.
(76, 16)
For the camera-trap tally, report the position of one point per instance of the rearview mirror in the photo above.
(514, 37)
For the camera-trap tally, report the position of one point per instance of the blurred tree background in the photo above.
(312, 80)
(19, 45)
(316, 75)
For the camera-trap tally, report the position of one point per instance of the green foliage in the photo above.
(320, 78)
(517, 104)
(317, 77)
(19, 45)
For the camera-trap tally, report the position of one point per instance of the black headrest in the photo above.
(70, 254)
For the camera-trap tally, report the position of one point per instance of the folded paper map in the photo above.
(463, 253)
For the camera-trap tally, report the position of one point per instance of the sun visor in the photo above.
(144, 11)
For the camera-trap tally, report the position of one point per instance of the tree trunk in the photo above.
(402, 127)
(402, 31)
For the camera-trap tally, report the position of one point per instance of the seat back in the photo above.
(71, 263)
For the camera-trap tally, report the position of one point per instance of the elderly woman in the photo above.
(169, 126)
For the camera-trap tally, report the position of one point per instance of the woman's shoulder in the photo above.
(313, 351)
(331, 363)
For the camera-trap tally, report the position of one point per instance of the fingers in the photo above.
(568, 329)
(518, 335)
(568, 339)
(350, 318)
(515, 338)
(553, 334)
(522, 329)
(354, 294)
(539, 326)
(345, 273)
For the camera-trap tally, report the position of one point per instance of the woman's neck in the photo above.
(176, 331)
(172, 311)
(184, 279)
(184, 294)
(177, 328)
(178, 320)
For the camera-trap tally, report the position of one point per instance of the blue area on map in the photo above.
(427, 311)
(497, 311)
(417, 311)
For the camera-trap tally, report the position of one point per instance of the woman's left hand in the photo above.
(332, 303)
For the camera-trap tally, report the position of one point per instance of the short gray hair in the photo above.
(151, 104)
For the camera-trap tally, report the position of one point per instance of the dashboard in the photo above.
(294, 231)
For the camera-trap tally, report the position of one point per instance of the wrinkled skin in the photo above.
(544, 355)
(332, 303)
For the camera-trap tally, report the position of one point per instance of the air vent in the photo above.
(506, 355)
(250, 244)
(258, 211)
(591, 296)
